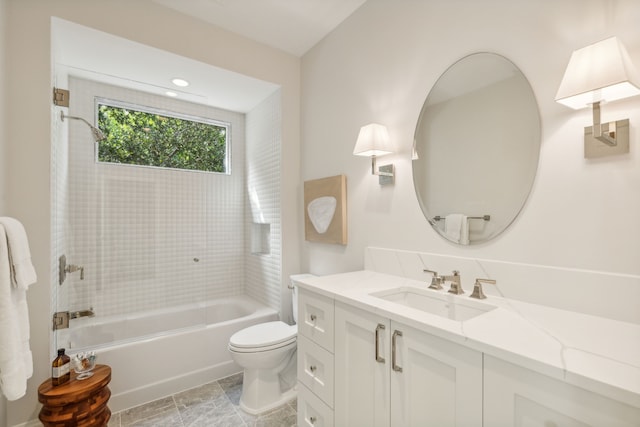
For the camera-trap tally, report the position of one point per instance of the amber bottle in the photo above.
(60, 368)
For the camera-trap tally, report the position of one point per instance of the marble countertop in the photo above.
(595, 353)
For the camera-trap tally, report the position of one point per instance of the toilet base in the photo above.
(261, 391)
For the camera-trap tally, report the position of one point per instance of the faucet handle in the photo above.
(477, 288)
(436, 280)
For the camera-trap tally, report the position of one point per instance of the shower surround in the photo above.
(154, 238)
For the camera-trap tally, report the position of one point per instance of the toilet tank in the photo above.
(294, 292)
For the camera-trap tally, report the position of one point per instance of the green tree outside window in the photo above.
(150, 139)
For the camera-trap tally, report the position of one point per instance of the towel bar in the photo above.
(483, 217)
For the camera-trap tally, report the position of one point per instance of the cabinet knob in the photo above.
(313, 317)
(312, 420)
(313, 368)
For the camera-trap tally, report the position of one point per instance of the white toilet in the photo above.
(267, 352)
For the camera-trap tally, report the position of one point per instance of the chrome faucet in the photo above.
(436, 280)
(456, 287)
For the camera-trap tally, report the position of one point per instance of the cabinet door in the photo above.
(361, 381)
(518, 397)
(434, 382)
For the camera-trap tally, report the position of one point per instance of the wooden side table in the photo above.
(77, 403)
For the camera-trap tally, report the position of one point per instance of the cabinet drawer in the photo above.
(315, 369)
(312, 412)
(315, 318)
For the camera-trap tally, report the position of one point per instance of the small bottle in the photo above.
(60, 368)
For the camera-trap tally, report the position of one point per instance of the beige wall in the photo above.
(3, 109)
(3, 142)
(28, 125)
(380, 64)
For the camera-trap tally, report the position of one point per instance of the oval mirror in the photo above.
(476, 148)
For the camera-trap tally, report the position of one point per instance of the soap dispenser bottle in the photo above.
(60, 368)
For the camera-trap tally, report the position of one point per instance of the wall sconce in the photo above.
(601, 72)
(373, 140)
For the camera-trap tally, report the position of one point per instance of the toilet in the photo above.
(267, 353)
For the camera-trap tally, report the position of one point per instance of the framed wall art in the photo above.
(325, 210)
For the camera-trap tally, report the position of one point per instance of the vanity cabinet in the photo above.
(363, 364)
(515, 396)
(390, 374)
(315, 360)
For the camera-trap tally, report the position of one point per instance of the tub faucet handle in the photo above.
(72, 268)
(64, 269)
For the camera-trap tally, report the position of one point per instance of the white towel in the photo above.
(16, 363)
(456, 227)
(22, 272)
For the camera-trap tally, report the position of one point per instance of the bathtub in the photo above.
(161, 352)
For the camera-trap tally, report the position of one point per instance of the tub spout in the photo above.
(82, 313)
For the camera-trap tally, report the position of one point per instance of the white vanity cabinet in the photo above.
(368, 363)
(315, 360)
(362, 386)
(390, 374)
(516, 396)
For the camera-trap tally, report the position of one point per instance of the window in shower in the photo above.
(138, 135)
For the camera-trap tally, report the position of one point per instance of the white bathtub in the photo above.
(159, 353)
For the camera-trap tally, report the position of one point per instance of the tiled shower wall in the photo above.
(264, 235)
(151, 238)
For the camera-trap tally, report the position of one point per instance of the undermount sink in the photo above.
(459, 308)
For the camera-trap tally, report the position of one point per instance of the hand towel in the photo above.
(456, 227)
(16, 364)
(23, 273)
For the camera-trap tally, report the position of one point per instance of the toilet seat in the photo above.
(263, 337)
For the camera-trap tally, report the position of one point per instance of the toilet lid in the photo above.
(264, 335)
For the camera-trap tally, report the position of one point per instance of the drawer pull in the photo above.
(394, 365)
(379, 328)
(312, 420)
(313, 317)
(312, 368)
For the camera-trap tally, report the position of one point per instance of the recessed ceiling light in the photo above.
(171, 94)
(180, 82)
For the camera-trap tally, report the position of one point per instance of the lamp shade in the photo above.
(599, 72)
(373, 140)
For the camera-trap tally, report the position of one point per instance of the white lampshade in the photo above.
(599, 72)
(373, 140)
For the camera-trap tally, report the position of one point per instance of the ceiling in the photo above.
(293, 26)
(95, 55)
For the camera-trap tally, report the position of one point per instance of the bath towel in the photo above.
(456, 227)
(22, 272)
(16, 363)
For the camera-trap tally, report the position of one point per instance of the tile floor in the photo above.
(211, 405)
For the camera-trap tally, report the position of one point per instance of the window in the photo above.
(143, 136)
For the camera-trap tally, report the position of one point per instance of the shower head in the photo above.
(97, 133)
